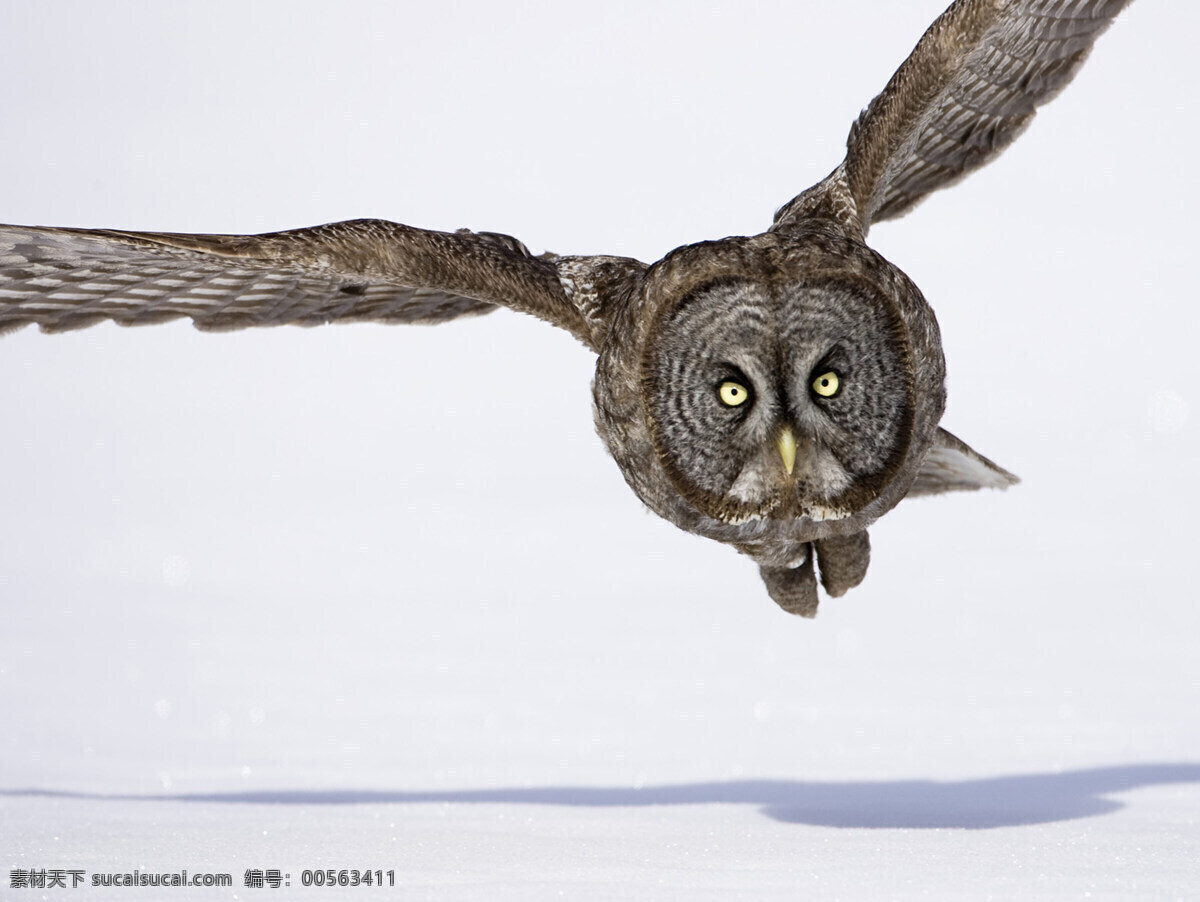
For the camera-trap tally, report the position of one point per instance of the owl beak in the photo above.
(787, 448)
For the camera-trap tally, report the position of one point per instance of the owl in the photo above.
(776, 392)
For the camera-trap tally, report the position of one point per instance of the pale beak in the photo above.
(787, 449)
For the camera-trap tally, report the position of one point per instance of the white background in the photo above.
(375, 597)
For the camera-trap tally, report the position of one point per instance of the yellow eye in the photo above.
(733, 394)
(827, 384)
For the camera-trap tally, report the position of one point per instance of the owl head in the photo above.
(792, 380)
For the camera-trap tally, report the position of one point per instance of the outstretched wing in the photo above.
(358, 270)
(969, 88)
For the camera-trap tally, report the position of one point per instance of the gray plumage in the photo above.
(778, 392)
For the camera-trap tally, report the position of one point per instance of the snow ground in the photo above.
(375, 598)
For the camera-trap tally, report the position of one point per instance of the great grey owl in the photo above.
(777, 392)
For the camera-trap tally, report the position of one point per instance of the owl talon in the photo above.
(843, 562)
(793, 588)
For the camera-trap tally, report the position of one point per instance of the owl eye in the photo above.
(827, 384)
(733, 394)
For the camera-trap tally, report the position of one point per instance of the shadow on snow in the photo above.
(968, 804)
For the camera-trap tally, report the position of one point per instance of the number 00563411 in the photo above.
(343, 877)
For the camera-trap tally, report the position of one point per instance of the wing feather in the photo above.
(970, 87)
(361, 270)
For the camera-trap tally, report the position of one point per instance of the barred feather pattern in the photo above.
(970, 87)
(362, 270)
